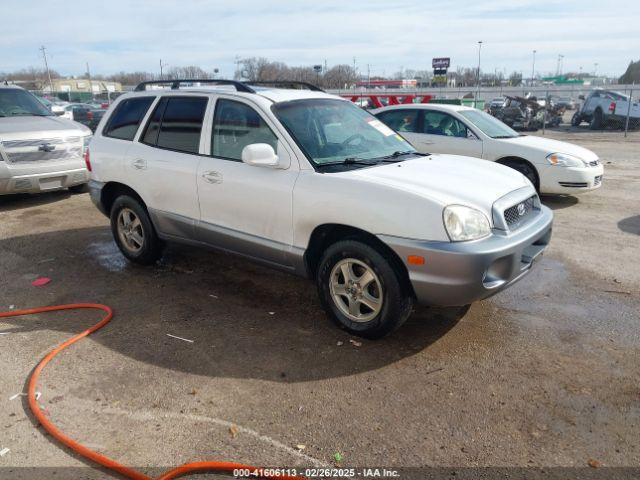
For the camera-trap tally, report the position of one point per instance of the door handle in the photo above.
(212, 177)
(139, 163)
(425, 142)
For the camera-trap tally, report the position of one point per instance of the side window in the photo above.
(181, 124)
(400, 120)
(236, 125)
(150, 135)
(124, 122)
(440, 123)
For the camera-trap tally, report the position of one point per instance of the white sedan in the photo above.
(551, 166)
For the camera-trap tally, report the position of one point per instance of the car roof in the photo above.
(5, 86)
(445, 107)
(273, 95)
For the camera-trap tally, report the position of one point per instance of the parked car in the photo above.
(58, 107)
(311, 184)
(565, 102)
(550, 165)
(38, 150)
(85, 114)
(602, 108)
(72, 109)
(498, 102)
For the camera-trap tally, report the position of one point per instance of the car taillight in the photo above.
(87, 159)
(89, 115)
(612, 107)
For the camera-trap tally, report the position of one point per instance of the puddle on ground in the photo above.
(108, 255)
(558, 300)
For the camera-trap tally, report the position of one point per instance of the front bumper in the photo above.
(568, 180)
(43, 182)
(459, 273)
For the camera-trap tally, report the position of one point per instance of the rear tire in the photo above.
(596, 120)
(361, 290)
(133, 231)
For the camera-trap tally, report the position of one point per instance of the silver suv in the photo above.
(38, 150)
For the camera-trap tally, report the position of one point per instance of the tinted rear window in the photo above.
(126, 119)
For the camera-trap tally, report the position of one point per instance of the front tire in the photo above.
(133, 231)
(576, 120)
(361, 290)
(525, 169)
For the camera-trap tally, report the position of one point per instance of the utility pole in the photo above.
(595, 69)
(478, 82)
(89, 77)
(368, 76)
(162, 65)
(533, 69)
(559, 67)
(46, 66)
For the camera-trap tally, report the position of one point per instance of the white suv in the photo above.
(39, 151)
(309, 183)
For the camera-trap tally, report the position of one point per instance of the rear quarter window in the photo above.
(126, 118)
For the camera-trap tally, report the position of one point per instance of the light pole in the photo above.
(478, 82)
(595, 69)
(533, 69)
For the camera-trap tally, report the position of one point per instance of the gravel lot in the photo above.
(545, 374)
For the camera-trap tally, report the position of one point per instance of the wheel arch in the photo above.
(113, 190)
(329, 233)
(506, 161)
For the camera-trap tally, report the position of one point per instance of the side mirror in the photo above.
(471, 135)
(260, 155)
(581, 97)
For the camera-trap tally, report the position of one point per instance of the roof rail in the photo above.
(284, 83)
(175, 84)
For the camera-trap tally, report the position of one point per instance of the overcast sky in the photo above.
(116, 35)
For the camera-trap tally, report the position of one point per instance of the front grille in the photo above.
(45, 149)
(520, 213)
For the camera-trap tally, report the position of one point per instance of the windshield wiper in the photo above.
(348, 161)
(395, 155)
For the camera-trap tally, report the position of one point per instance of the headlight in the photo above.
(465, 223)
(565, 160)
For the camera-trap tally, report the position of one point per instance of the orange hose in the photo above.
(80, 449)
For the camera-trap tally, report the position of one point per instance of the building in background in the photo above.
(81, 85)
(406, 83)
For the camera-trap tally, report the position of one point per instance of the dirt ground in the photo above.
(545, 374)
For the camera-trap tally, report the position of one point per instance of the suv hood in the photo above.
(448, 179)
(548, 146)
(25, 128)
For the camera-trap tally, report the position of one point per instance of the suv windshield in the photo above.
(489, 125)
(331, 131)
(15, 102)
